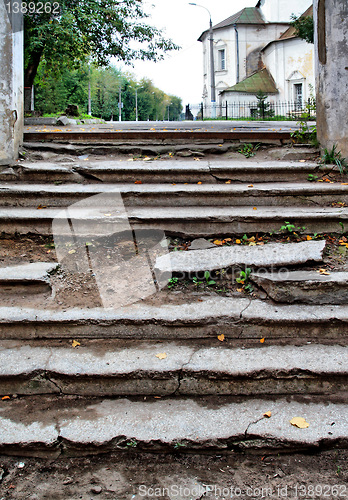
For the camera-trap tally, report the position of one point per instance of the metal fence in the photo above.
(252, 110)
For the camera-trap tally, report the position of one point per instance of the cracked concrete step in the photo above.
(202, 318)
(54, 425)
(31, 278)
(265, 256)
(162, 195)
(308, 287)
(133, 369)
(169, 171)
(186, 221)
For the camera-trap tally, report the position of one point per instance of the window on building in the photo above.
(298, 94)
(222, 59)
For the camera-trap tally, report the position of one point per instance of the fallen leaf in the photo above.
(72, 251)
(158, 397)
(218, 242)
(262, 341)
(240, 290)
(137, 182)
(324, 271)
(107, 215)
(344, 183)
(199, 182)
(254, 208)
(5, 397)
(309, 238)
(41, 207)
(299, 422)
(302, 161)
(238, 242)
(228, 239)
(221, 337)
(75, 343)
(252, 244)
(268, 414)
(161, 355)
(197, 159)
(228, 182)
(251, 186)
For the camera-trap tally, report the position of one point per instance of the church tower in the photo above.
(278, 11)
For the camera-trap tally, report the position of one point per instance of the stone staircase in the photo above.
(191, 369)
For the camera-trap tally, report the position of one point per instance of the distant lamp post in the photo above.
(212, 66)
(136, 102)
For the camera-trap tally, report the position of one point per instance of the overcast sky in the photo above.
(181, 71)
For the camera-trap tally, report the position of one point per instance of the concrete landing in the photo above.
(52, 426)
(308, 287)
(135, 369)
(270, 255)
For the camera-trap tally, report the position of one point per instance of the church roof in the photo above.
(248, 15)
(290, 32)
(262, 80)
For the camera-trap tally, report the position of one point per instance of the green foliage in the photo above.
(94, 30)
(334, 157)
(172, 282)
(208, 281)
(312, 177)
(53, 94)
(304, 27)
(290, 229)
(244, 280)
(249, 150)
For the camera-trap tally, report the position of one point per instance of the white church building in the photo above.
(257, 49)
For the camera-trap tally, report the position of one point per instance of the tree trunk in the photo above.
(29, 77)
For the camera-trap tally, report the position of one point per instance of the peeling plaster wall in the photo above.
(331, 54)
(11, 89)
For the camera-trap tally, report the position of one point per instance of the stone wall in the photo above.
(331, 53)
(11, 86)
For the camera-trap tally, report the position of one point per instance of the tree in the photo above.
(81, 30)
(304, 27)
(263, 108)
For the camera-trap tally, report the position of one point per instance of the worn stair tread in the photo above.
(96, 370)
(304, 286)
(272, 254)
(77, 426)
(179, 213)
(203, 318)
(24, 273)
(93, 359)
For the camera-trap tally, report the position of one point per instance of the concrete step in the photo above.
(168, 171)
(55, 425)
(200, 317)
(307, 287)
(162, 195)
(114, 368)
(185, 221)
(26, 278)
(265, 256)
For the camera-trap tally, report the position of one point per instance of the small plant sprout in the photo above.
(208, 281)
(249, 150)
(290, 229)
(312, 178)
(172, 282)
(132, 443)
(334, 157)
(244, 280)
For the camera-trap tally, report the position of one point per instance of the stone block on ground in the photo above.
(308, 287)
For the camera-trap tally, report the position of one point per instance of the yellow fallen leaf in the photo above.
(197, 159)
(5, 397)
(221, 337)
(199, 182)
(240, 290)
(324, 271)
(299, 422)
(251, 186)
(262, 341)
(75, 343)
(238, 242)
(254, 208)
(217, 242)
(228, 182)
(40, 207)
(268, 414)
(302, 161)
(161, 355)
(72, 251)
(228, 239)
(107, 215)
(309, 238)
(137, 182)
(252, 244)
